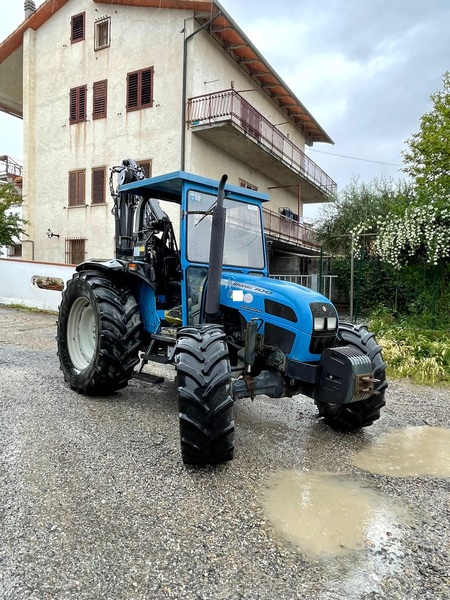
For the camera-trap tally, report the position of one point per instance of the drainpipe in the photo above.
(184, 94)
(32, 246)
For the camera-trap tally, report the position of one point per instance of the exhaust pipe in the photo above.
(212, 305)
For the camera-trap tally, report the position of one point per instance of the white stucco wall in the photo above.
(139, 38)
(17, 283)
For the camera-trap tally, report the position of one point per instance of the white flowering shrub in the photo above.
(421, 232)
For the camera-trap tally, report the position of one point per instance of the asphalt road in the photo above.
(96, 504)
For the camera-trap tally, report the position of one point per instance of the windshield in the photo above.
(243, 231)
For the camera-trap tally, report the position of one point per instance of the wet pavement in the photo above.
(96, 503)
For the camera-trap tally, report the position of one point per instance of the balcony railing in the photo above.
(285, 229)
(10, 170)
(213, 109)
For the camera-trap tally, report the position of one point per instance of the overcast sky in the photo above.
(364, 69)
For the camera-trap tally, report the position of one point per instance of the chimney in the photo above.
(30, 8)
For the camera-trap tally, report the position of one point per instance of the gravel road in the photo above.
(96, 504)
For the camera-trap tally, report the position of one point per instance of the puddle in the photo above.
(408, 452)
(327, 515)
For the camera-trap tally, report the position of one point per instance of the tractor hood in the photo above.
(286, 309)
(253, 295)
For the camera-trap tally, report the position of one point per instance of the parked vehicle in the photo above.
(210, 309)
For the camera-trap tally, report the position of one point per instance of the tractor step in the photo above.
(161, 337)
(155, 379)
(157, 358)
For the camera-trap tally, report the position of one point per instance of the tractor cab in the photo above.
(181, 273)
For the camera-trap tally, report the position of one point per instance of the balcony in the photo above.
(282, 229)
(10, 171)
(228, 121)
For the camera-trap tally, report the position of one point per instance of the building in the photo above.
(174, 84)
(11, 172)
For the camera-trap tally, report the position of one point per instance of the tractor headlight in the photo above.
(331, 323)
(319, 323)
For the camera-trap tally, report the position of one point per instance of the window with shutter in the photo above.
(15, 251)
(77, 188)
(102, 34)
(75, 250)
(98, 185)
(77, 104)
(77, 27)
(146, 167)
(100, 98)
(247, 185)
(140, 89)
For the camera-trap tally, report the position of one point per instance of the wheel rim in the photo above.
(81, 333)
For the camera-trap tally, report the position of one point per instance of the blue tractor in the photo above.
(210, 309)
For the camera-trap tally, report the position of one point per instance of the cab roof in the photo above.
(170, 187)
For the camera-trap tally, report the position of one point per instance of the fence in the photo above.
(311, 282)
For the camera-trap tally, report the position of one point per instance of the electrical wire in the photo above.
(378, 162)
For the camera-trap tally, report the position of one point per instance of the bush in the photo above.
(412, 350)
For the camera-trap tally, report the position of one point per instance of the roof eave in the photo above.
(319, 135)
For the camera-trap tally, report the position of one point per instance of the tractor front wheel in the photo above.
(98, 332)
(348, 417)
(205, 404)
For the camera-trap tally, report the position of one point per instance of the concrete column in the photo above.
(29, 142)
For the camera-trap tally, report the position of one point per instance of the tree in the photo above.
(357, 210)
(428, 159)
(11, 224)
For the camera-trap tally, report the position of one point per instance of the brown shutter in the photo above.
(72, 189)
(77, 27)
(75, 250)
(98, 186)
(146, 88)
(132, 90)
(78, 251)
(82, 103)
(73, 105)
(77, 104)
(146, 167)
(77, 188)
(81, 188)
(100, 97)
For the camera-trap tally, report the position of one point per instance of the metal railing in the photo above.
(10, 170)
(310, 281)
(212, 109)
(283, 228)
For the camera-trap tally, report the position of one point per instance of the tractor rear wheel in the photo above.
(348, 417)
(205, 404)
(98, 331)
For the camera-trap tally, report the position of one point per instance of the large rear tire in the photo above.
(205, 404)
(98, 332)
(348, 417)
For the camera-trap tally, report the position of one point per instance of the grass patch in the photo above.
(29, 308)
(413, 350)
